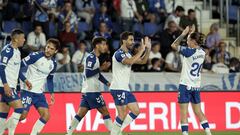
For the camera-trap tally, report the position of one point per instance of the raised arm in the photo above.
(135, 58)
(176, 43)
(144, 59)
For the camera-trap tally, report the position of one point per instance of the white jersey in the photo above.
(191, 66)
(39, 71)
(121, 72)
(11, 60)
(92, 75)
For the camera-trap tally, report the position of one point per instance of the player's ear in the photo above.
(56, 51)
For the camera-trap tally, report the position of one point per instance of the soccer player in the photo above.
(121, 68)
(91, 93)
(9, 72)
(40, 69)
(189, 87)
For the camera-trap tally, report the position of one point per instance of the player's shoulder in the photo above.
(7, 49)
(119, 52)
(37, 54)
(91, 57)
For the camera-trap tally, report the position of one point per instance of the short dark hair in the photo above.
(179, 9)
(37, 25)
(155, 44)
(66, 1)
(55, 42)
(98, 40)
(198, 37)
(190, 11)
(125, 35)
(154, 60)
(16, 32)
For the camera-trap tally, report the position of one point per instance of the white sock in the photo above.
(185, 133)
(108, 123)
(126, 122)
(116, 127)
(38, 126)
(2, 125)
(129, 119)
(208, 131)
(74, 124)
(12, 122)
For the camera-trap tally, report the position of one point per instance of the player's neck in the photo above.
(14, 45)
(124, 48)
(97, 53)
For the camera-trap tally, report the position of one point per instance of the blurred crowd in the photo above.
(76, 22)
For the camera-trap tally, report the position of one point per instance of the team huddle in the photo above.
(38, 68)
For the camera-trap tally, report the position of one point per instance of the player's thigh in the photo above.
(44, 113)
(103, 110)
(4, 107)
(197, 108)
(122, 111)
(183, 94)
(16, 104)
(133, 107)
(27, 100)
(82, 111)
(24, 115)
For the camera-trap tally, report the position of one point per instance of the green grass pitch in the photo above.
(157, 133)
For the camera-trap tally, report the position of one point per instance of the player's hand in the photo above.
(105, 65)
(52, 100)
(147, 42)
(7, 90)
(29, 85)
(109, 84)
(186, 31)
(142, 46)
(192, 29)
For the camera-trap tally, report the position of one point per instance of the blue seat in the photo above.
(83, 26)
(232, 12)
(116, 27)
(8, 26)
(52, 29)
(150, 28)
(115, 44)
(27, 27)
(137, 27)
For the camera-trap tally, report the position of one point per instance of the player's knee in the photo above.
(198, 112)
(136, 111)
(23, 116)
(45, 116)
(122, 116)
(19, 110)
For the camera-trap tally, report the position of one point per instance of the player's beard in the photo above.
(47, 55)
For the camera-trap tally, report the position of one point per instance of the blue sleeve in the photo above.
(186, 51)
(102, 79)
(120, 56)
(6, 55)
(2, 74)
(50, 79)
(90, 70)
(90, 73)
(21, 76)
(31, 58)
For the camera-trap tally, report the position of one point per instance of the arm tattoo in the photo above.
(178, 40)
